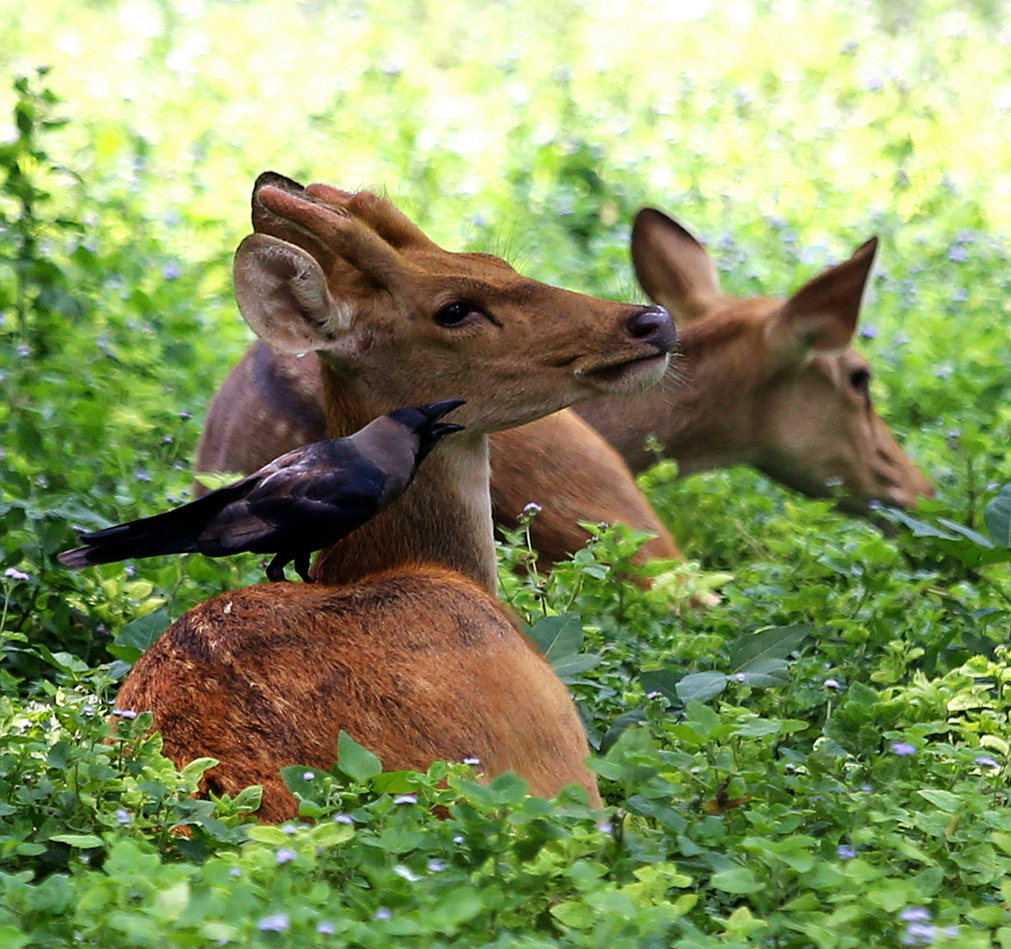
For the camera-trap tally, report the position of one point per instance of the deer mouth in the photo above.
(627, 376)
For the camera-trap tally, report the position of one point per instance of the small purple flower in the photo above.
(532, 508)
(903, 748)
(436, 866)
(308, 775)
(12, 573)
(832, 684)
(142, 474)
(125, 713)
(171, 272)
(88, 710)
(458, 839)
(915, 914)
(472, 761)
(383, 913)
(235, 872)
(958, 254)
(344, 819)
(327, 929)
(846, 852)
(605, 827)
(289, 829)
(869, 331)
(919, 934)
(740, 676)
(986, 762)
(284, 855)
(277, 923)
(406, 799)
(123, 816)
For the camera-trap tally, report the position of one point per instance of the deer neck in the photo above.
(443, 518)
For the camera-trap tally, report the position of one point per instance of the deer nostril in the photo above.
(652, 324)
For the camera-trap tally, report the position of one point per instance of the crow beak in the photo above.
(437, 410)
(446, 428)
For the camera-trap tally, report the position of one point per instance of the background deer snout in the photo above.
(652, 324)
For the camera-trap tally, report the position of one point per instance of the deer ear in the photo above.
(672, 266)
(283, 295)
(823, 314)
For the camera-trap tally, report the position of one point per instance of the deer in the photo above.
(400, 642)
(768, 382)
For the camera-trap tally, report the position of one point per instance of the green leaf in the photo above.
(248, 799)
(81, 841)
(138, 635)
(574, 914)
(568, 666)
(765, 673)
(997, 516)
(12, 938)
(267, 834)
(737, 880)
(194, 771)
(212, 480)
(558, 636)
(664, 681)
(945, 800)
(777, 642)
(356, 762)
(701, 686)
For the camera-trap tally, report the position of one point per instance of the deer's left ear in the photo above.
(823, 314)
(673, 267)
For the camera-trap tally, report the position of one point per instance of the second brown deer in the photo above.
(401, 643)
(766, 382)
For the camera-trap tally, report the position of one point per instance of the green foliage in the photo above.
(819, 759)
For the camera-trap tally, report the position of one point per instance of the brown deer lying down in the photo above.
(411, 654)
(767, 382)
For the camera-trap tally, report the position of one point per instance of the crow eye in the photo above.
(453, 314)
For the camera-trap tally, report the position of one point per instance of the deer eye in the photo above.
(453, 314)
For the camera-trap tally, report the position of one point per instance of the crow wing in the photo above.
(304, 500)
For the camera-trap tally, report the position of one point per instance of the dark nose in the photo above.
(652, 324)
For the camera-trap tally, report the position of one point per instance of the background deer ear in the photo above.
(673, 267)
(823, 314)
(283, 295)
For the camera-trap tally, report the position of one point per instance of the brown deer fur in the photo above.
(767, 382)
(411, 654)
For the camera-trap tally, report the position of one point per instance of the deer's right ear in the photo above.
(283, 295)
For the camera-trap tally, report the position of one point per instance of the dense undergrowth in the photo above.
(820, 759)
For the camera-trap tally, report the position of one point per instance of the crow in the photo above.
(303, 501)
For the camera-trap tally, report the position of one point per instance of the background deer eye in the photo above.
(860, 379)
(454, 314)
